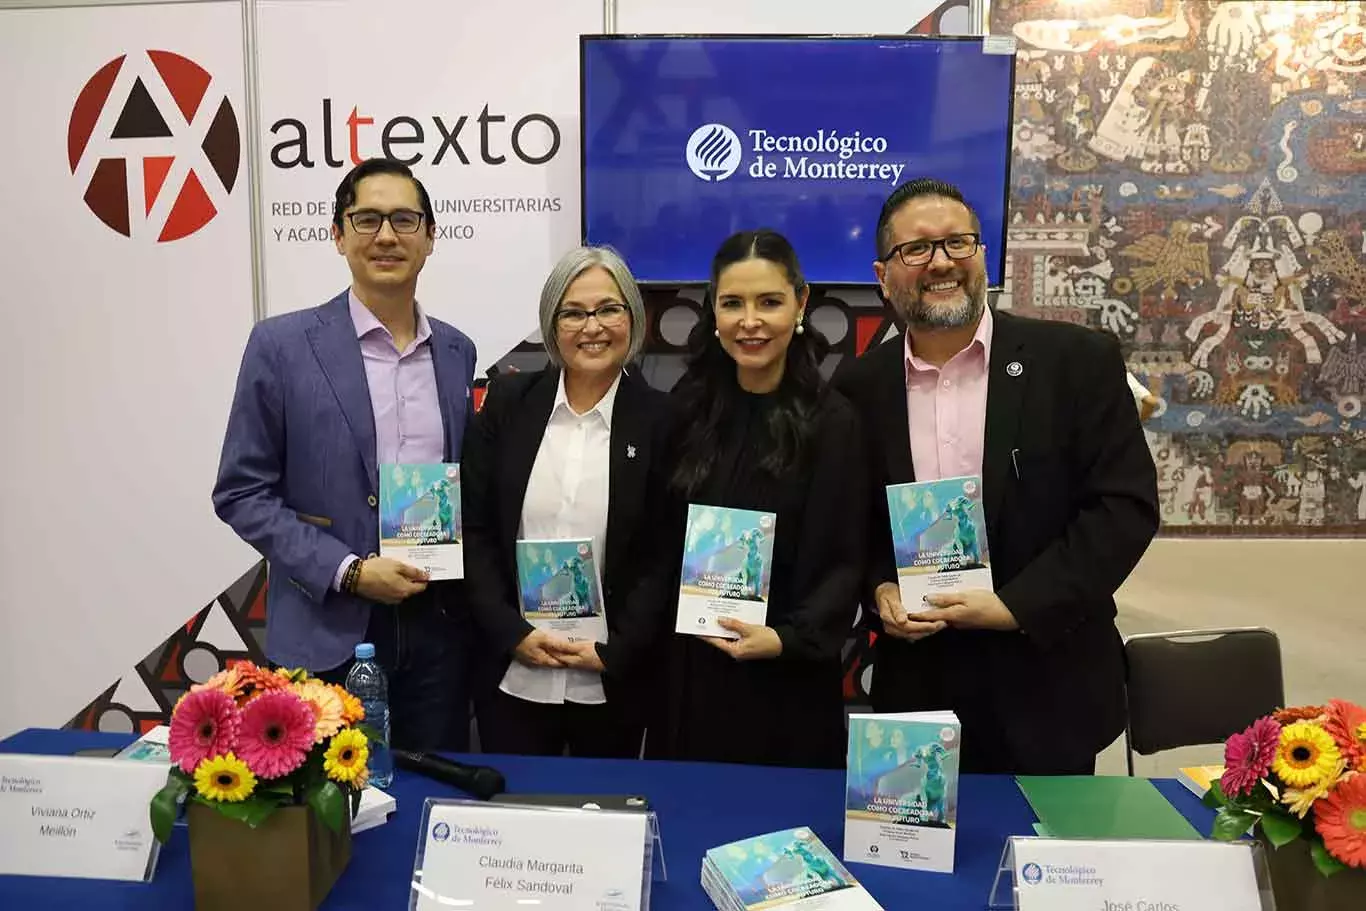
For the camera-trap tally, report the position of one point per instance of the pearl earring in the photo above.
(716, 332)
(800, 328)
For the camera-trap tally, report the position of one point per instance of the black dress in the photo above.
(787, 710)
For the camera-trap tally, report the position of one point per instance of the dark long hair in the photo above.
(709, 392)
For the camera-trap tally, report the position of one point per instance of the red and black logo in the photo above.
(159, 163)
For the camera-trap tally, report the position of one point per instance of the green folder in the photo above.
(1102, 806)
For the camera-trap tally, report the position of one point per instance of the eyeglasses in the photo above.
(609, 316)
(403, 221)
(920, 252)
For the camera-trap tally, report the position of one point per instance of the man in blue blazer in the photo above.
(324, 397)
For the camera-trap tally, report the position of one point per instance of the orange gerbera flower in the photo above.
(263, 680)
(228, 681)
(1341, 819)
(327, 707)
(1344, 721)
(352, 710)
(1297, 713)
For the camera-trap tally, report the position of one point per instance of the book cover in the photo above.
(1198, 778)
(727, 564)
(901, 790)
(419, 518)
(939, 537)
(790, 868)
(560, 587)
(152, 746)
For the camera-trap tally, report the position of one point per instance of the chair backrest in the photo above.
(1199, 686)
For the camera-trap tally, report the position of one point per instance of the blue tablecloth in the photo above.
(699, 806)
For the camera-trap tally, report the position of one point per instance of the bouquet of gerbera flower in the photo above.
(1299, 773)
(249, 741)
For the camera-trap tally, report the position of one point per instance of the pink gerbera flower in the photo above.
(1248, 757)
(277, 733)
(205, 724)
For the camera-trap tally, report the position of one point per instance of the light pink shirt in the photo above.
(408, 425)
(403, 396)
(947, 408)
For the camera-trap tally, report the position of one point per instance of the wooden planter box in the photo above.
(288, 864)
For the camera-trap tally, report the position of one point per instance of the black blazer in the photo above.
(1070, 496)
(500, 450)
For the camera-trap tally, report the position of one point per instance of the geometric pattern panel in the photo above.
(229, 629)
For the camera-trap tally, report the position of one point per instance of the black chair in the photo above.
(1198, 686)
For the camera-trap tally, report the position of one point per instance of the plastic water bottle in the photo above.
(366, 681)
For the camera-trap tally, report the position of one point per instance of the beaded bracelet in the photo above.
(352, 577)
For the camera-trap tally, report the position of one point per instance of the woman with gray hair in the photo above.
(566, 454)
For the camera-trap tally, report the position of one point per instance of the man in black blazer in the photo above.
(1041, 411)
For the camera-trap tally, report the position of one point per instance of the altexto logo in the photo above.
(154, 149)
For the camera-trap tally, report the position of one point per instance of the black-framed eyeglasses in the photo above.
(609, 316)
(920, 252)
(370, 221)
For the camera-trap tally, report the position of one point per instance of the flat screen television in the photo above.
(687, 139)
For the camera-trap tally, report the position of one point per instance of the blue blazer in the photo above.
(298, 478)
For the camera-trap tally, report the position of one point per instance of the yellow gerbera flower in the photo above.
(346, 757)
(1307, 755)
(1301, 800)
(224, 778)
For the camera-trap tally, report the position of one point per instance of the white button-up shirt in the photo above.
(566, 497)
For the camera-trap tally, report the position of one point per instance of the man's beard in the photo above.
(919, 315)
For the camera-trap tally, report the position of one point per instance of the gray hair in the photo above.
(571, 266)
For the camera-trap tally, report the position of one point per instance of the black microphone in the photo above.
(480, 780)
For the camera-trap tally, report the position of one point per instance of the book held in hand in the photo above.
(727, 568)
(560, 587)
(901, 790)
(939, 538)
(419, 518)
(790, 869)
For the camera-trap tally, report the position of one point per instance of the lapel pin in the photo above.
(630, 451)
(1014, 368)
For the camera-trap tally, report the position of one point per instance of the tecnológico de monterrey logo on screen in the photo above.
(714, 152)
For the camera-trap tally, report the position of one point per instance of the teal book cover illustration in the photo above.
(901, 790)
(727, 568)
(419, 518)
(790, 868)
(939, 537)
(560, 587)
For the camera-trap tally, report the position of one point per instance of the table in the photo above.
(700, 805)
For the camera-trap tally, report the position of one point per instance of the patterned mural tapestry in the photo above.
(1190, 175)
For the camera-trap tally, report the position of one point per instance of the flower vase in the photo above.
(288, 863)
(1299, 886)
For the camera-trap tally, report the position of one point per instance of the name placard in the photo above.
(491, 857)
(1073, 875)
(71, 816)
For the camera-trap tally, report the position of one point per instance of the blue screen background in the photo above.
(943, 106)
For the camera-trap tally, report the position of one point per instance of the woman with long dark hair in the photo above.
(758, 429)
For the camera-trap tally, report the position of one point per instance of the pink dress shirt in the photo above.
(946, 408)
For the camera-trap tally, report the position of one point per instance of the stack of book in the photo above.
(790, 868)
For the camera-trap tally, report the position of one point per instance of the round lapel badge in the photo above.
(1014, 368)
